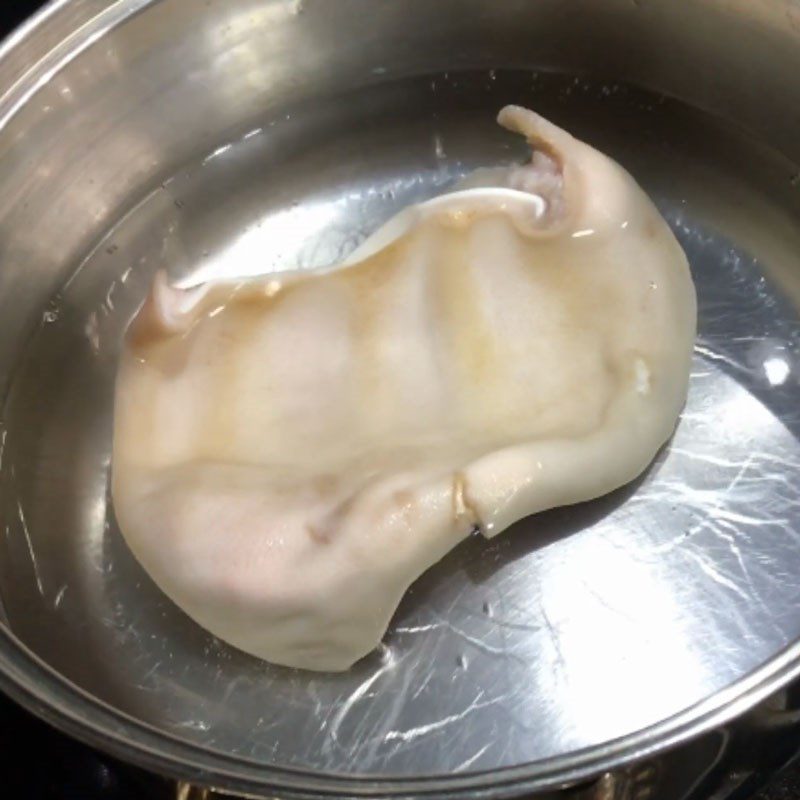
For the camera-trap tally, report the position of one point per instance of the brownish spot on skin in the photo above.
(326, 528)
(463, 508)
(403, 498)
(147, 327)
(326, 484)
(320, 535)
(651, 228)
(404, 501)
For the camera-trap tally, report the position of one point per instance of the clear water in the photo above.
(577, 627)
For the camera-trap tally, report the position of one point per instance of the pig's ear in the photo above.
(289, 457)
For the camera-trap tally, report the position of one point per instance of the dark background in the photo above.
(12, 12)
(38, 763)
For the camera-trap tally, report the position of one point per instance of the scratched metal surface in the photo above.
(574, 628)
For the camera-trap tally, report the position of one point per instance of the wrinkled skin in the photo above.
(289, 457)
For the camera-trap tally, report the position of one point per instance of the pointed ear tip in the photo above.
(507, 116)
(538, 130)
(516, 117)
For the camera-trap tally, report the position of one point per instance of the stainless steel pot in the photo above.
(255, 135)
